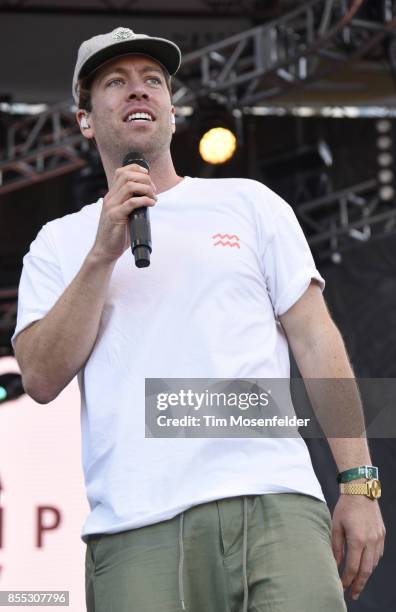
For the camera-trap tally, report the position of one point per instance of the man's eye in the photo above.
(113, 81)
(156, 80)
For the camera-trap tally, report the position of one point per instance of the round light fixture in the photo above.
(217, 145)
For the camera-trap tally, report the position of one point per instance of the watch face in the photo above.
(374, 488)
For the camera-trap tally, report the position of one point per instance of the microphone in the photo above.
(139, 220)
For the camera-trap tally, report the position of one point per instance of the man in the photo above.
(197, 524)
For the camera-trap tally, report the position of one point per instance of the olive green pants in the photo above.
(254, 553)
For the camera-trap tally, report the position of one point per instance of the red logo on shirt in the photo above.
(223, 242)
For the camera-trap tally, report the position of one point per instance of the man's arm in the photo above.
(320, 353)
(52, 350)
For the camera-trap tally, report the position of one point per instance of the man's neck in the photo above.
(162, 173)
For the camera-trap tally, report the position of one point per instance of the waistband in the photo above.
(244, 556)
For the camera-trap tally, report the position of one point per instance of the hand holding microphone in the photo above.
(124, 219)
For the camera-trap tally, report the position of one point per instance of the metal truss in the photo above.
(41, 147)
(336, 222)
(242, 70)
(270, 59)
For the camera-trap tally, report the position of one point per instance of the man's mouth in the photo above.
(139, 117)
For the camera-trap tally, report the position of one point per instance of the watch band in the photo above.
(364, 471)
(371, 488)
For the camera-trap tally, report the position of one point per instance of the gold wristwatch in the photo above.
(371, 488)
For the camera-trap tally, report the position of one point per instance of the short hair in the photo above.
(84, 86)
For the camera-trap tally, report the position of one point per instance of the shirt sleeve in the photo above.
(41, 282)
(288, 264)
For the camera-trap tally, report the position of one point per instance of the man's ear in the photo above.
(84, 123)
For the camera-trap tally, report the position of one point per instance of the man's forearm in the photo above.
(52, 351)
(335, 398)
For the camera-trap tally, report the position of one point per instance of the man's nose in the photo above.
(137, 92)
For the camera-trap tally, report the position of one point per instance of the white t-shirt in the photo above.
(202, 309)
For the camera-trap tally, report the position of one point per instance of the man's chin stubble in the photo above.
(151, 148)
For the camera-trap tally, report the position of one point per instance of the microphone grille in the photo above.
(133, 157)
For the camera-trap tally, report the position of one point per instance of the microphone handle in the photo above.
(140, 233)
(139, 220)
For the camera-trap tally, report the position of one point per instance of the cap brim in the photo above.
(162, 51)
